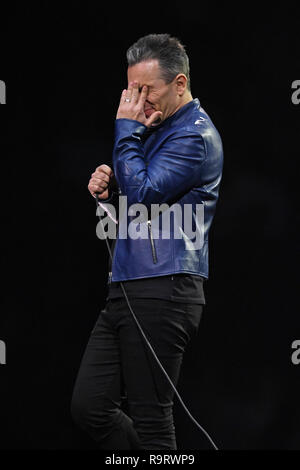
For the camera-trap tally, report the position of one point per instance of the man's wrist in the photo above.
(127, 126)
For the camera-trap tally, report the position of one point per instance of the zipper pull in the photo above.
(109, 277)
(152, 242)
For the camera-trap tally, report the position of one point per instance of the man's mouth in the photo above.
(149, 111)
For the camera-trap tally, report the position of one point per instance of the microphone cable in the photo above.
(148, 342)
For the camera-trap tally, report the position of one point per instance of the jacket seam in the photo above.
(164, 273)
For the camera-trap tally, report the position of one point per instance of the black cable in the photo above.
(151, 348)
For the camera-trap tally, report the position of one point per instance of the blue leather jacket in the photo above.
(180, 162)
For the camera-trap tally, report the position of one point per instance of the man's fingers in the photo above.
(153, 118)
(123, 96)
(96, 188)
(143, 96)
(135, 92)
(105, 169)
(104, 194)
(128, 92)
(101, 194)
(100, 181)
(101, 176)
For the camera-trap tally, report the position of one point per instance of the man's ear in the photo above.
(181, 83)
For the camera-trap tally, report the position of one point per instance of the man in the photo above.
(166, 151)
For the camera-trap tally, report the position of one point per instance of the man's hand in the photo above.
(100, 180)
(132, 105)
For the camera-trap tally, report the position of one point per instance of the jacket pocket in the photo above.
(154, 256)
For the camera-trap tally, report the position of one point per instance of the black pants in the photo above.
(117, 359)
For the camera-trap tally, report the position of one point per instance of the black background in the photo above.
(64, 67)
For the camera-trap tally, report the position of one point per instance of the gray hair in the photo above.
(169, 52)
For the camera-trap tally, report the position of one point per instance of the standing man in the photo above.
(166, 151)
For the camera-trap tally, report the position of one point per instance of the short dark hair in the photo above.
(169, 52)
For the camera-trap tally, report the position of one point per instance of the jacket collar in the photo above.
(185, 109)
(195, 103)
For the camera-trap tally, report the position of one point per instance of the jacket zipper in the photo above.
(152, 242)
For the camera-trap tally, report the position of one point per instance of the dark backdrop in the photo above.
(64, 67)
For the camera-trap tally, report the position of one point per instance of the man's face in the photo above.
(161, 96)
